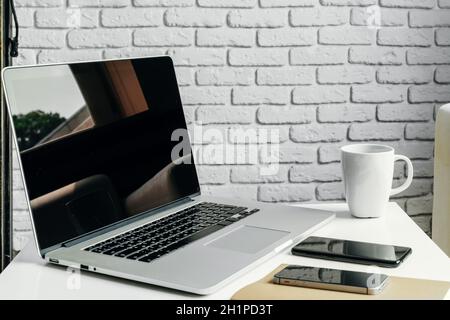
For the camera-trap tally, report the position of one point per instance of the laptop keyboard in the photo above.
(157, 238)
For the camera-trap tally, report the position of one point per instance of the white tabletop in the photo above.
(28, 277)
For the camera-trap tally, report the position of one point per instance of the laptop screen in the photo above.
(99, 142)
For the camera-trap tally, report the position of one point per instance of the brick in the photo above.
(224, 76)
(19, 200)
(163, 3)
(21, 233)
(444, 4)
(399, 170)
(132, 52)
(264, 18)
(213, 174)
(318, 56)
(211, 114)
(330, 191)
(191, 57)
(194, 17)
(385, 17)
(421, 205)
(405, 37)
(443, 37)
(427, 56)
(21, 238)
(208, 135)
(320, 94)
(404, 75)
(286, 3)
(26, 17)
(255, 174)
(285, 115)
(292, 153)
(415, 150)
(98, 38)
(259, 135)
(25, 57)
(285, 76)
(38, 3)
(404, 112)
(377, 94)
(318, 17)
(204, 95)
(375, 56)
(329, 153)
(245, 192)
(420, 131)
(429, 18)
(258, 95)
(21, 221)
(98, 3)
(61, 55)
(345, 113)
(421, 4)
(361, 3)
(346, 35)
(344, 75)
(375, 131)
(189, 114)
(286, 37)
(166, 37)
(257, 57)
(429, 93)
(231, 154)
(424, 222)
(442, 75)
(315, 173)
(423, 168)
(66, 18)
(285, 193)
(131, 17)
(225, 38)
(42, 39)
(419, 187)
(318, 133)
(227, 4)
(17, 183)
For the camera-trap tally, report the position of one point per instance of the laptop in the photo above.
(112, 186)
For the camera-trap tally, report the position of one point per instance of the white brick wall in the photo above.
(313, 69)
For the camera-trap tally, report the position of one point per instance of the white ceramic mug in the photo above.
(368, 170)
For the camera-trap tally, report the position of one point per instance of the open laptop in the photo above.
(112, 190)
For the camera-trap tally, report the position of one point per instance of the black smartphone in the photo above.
(381, 255)
(331, 279)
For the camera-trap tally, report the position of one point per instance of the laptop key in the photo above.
(155, 239)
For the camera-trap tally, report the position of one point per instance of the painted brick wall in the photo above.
(324, 72)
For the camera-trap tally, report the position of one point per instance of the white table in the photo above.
(28, 277)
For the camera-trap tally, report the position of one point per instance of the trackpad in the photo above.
(248, 239)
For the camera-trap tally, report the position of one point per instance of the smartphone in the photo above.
(331, 279)
(352, 251)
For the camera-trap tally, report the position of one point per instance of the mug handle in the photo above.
(409, 178)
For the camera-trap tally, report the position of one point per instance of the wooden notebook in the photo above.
(398, 288)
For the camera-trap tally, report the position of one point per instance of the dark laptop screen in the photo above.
(99, 142)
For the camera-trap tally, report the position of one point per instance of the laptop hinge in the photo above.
(122, 223)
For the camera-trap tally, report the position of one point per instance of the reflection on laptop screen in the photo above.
(95, 140)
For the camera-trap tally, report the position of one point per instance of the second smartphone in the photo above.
(331, 279)
(381, 255)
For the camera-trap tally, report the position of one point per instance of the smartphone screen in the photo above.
(336, 279)
(352, 251)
